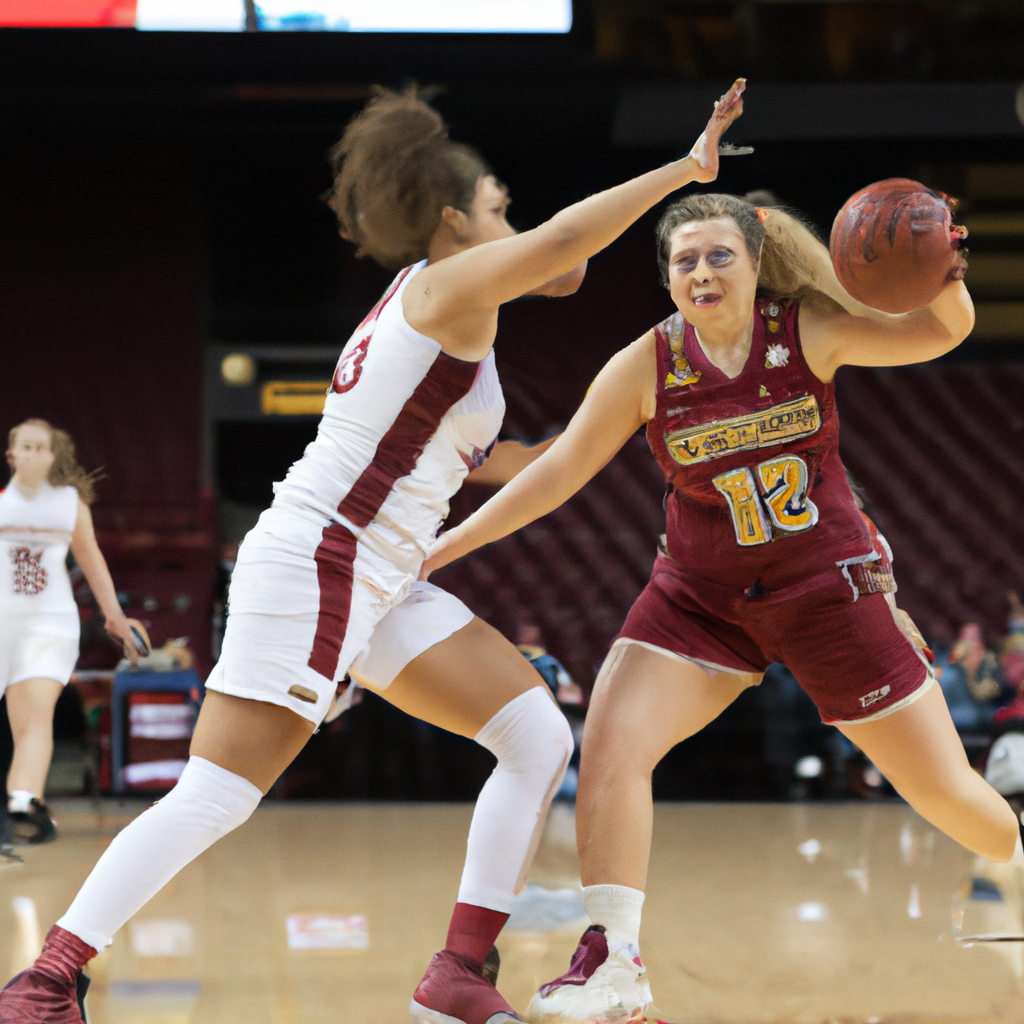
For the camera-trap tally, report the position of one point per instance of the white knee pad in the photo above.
(207, 803)
(533, 743)
(530, 736)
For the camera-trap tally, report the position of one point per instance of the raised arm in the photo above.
(455, 300)
(832, 337)
(839, 330)
(620, 401)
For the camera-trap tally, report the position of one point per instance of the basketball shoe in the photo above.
(604, 985)
(455, 990)
(34, 825)
(52, 990)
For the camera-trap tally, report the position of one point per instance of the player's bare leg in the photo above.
(30, 705)
(476, 684)
(644, 703)
(238, 750)
(918, 750)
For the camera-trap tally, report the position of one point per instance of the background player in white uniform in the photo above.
(414, 404)
(44, 510)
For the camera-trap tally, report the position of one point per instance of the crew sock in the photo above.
(618, 908)
(20, 801)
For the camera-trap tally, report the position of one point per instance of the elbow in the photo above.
(568, 284)
(561, 234)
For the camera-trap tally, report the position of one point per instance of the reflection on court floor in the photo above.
(756, 913)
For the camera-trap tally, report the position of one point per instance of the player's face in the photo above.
(711, 277)
(487, 213)
(31, 456)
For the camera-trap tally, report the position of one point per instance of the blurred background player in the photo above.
(414, 405)
(44, 511)
(723, 600)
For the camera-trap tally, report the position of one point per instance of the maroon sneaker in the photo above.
(52, 990)
(455, 991)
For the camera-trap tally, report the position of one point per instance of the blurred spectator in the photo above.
(979, 665)
(568, 694)
(529, 644)
(969, 680)
(1011, 662)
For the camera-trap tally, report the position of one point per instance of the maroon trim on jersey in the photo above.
(385, 298)
(446, 382)
(335, 560)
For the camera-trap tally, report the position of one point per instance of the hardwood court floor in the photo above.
(798, 913)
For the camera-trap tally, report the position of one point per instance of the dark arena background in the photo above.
(174, 293)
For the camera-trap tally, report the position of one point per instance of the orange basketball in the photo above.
(894, 246)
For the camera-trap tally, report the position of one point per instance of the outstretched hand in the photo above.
(705, 150)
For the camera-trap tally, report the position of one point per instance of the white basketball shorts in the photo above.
(38, 647)
(307, 601)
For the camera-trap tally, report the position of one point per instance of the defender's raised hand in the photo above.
(705, 150)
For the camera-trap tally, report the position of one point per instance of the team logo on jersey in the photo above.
(350, 367)
(775, 357)
(29, 575)
(875, 696)
(681, 373)
(771, 313)
(763, 429)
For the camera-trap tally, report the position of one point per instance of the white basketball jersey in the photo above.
(403, 424)
(34, 538)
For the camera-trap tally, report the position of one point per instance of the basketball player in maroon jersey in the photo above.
(327, 580)
(767, 557)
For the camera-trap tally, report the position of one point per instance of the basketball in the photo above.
(894, 246)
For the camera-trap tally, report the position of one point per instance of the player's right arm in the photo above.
(620, 401)
(455, 300)
(94, 567)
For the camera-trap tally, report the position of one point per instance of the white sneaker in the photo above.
(604, 985)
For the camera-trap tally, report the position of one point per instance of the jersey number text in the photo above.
(768, 500)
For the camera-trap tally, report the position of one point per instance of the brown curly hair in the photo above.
(395, 170)
(782, 269)
(65, 470)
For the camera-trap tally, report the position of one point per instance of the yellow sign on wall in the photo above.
(294, 397)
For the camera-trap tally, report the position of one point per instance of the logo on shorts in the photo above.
(29, 575)
(874, 696)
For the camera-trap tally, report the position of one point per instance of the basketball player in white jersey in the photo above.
(44, 510)
(326, 582)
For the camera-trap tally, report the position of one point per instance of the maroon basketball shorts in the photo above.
(844, 647)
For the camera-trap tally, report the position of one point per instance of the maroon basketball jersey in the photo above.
(757, 493)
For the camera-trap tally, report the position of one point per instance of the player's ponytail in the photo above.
(784, 270)
(395, 170)
(65, 471)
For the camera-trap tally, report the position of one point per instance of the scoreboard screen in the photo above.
(292, 15)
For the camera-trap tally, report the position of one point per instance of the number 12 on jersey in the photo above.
(771, 497)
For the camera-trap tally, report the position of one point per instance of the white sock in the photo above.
(207, 803)
(20, 801)
(533, 743)
(618, 908)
